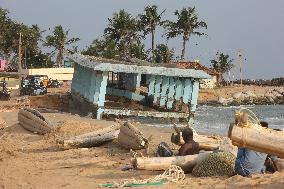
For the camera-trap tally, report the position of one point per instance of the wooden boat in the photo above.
(32, 120)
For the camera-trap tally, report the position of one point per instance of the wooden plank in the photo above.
(171, 93)
(157, 92)
(165, 86)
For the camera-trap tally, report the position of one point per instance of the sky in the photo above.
(255, 27)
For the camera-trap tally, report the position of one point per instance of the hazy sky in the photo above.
(254, 26)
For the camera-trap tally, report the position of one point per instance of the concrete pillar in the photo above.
(171, 93)
(165, 86)
(193, 102)
(100, 92)
(157, 92)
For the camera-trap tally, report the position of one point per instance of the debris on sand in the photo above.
(32, 120)
(91, 139)
(131, 138)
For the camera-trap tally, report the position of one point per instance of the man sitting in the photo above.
(189, 147)
(250, 162)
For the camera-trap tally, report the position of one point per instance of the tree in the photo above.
(102, 48)
(149, 22)
(59, 40)
(187, 24)
(163, 54)
(123, 30)
(37, 60)
(9, 34)
(222, 64)
(137, 50)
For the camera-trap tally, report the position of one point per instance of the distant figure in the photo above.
(190, 147)
(272, 163)
(250, 162)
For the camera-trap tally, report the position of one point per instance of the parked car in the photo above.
(32, 86)
(42, 78)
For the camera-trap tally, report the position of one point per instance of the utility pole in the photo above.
(20, 56)
(240, 59)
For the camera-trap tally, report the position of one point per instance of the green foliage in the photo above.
(10, 32)
(102, 48)
(149, 21)
(163, 54)
(186, 25)
(59, 40)
(123, 29)
(222, 63)
(137, 50)
(38, 60)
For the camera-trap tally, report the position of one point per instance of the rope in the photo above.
(252, 118)
(172, 174)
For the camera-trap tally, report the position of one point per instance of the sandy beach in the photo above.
(29, 160)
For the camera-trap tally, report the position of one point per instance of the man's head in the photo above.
(264, 124)
(187, 134)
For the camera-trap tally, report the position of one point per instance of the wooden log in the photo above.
(258, 138)
(131, 138)
(162, 163)
(91, 139)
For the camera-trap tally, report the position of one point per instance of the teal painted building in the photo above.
(171, 92)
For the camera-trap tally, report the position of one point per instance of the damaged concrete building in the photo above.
(163, 90)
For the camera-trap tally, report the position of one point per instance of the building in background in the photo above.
(196, 65)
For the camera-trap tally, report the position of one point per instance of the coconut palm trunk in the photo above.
(59, 58)
(153, 45)
(183, 48)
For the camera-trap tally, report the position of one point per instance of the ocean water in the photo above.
(216, 120)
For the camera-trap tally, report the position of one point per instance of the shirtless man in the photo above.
(190, 147)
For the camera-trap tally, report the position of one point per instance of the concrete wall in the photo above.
(208, 83)
(61, 74)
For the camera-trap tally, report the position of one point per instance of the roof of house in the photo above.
(136, 66)
(196, 66)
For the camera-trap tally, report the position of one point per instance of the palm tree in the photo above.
(59, 39)
(186, 25)
(149, 22)
(163, 54)
(123, 29)
(222, 64)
